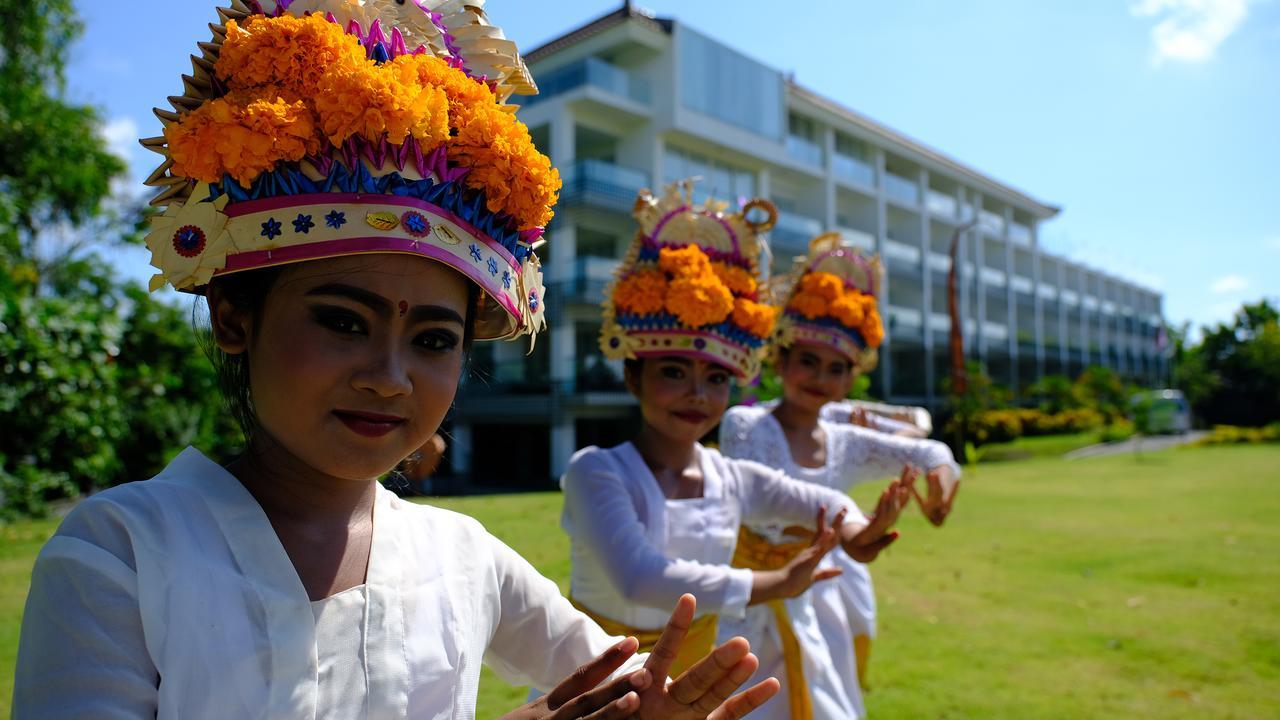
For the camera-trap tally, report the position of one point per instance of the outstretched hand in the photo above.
(705, 690)
(943, 485)
(865, 545)
(802, 571)
(579, 698)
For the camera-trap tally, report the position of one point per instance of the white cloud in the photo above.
(121, 135)
(1190, 30)
(1229, 284)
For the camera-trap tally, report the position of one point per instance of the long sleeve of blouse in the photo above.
(83, 650)
(601, 514)
(864, 454)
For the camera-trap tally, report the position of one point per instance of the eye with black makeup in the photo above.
(339, 320)
(437, 341)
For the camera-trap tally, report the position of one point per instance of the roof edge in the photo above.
(1044, 210)
(597, 26)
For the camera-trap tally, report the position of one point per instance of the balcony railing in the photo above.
(1020, 234)
(858, 238)
(895, 250)
(901, 189)
(601, 184)
(804, 150)
(592, 72)
(792, 233)
(941, 204)
(992, 223)
(853, 170)
(587, 282)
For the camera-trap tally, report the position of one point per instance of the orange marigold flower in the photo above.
(241, 136)
(688, 261)
(848, 309)
(872, 329)
(373, 102)
(642, 292)
(737, 279)
(287, 52)
(699, 301)
(808, 304)
(756, 318)
(463, 91)
(823, 284)
(515, 177)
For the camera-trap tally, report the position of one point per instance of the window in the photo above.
(722, 180)
(724, 84)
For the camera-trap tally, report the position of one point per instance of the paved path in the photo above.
(1149, 444)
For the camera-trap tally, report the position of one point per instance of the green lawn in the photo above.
(1115, 587)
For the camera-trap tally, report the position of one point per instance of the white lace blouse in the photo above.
(854, 454)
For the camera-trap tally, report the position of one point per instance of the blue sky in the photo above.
(1155, 124)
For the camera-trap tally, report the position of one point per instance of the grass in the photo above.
(19, 544)
(1045, 446)
(1115, 587)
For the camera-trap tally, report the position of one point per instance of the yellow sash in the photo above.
(700, 640)
(756, 553)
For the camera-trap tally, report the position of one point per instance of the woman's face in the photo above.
(813, 375)
(682, 398)
(353, 361)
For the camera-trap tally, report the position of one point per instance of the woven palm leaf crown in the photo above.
(320, 128)
(690, 283)
(830, 298)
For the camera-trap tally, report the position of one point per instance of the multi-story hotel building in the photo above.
(630, 101)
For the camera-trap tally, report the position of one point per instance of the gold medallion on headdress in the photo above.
(311, 129)
(690, 283)
(830, 299)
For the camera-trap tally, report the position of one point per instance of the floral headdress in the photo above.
(319, 128)
(689, 285)
(830, 299)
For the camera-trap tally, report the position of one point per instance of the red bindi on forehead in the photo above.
(404, 307)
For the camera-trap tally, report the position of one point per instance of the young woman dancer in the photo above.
(829, 331)
(357, 209)
(659, 516)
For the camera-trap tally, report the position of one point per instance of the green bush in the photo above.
(995, 426)
(1232, 435)
(58, 382)
(1116, 431)
(93, 396)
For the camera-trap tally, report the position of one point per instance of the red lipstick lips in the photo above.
(369, 424)
(691, 416)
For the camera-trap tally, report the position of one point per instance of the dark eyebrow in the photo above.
(373, 301)
(382, 306)
(434, 313)
(678, 360)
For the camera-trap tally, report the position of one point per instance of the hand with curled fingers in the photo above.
(801, 572)
(705, 690)
(866, 543)
(582, 697)
(943, 485)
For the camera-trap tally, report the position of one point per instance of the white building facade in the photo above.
(630, 101)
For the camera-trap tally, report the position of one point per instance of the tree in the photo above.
(55, 168)
(99, 382)
(1055, 393)
(1102, 389)
(1233, 376)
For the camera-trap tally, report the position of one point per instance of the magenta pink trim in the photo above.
(367, 245)
(841, 252)
(657, 230)
(292, 201)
